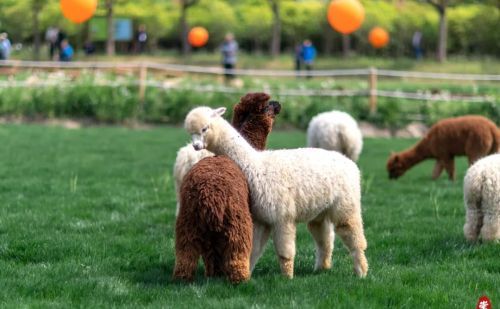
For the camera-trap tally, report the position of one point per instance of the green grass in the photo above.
(87, 220)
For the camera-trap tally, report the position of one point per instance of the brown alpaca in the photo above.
(472, 136)
(214, 219)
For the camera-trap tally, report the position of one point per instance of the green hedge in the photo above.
(106, 104)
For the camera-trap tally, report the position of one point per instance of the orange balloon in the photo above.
(78, 11)
(345, 16)
(378, 37)
(198, 36)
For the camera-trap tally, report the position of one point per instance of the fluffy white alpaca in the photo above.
(288, 186)
(482, 199)
(186, 158)
(335, 131)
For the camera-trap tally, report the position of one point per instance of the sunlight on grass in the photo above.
(107, 240)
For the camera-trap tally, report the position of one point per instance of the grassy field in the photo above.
(87, 220)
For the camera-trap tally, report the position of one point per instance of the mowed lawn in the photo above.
(87, 220)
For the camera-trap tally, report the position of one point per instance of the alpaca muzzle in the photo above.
(197, 141)
(275, 107)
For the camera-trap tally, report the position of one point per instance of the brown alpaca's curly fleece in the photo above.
(214, 218)
(472, 136)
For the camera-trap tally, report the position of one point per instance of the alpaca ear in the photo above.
(219, 112)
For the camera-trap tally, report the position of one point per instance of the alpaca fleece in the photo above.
(335, 131)
(310, 185)
(472, 136)
(482, 199)
(214, 219)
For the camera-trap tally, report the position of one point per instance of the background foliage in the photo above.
(473, 25)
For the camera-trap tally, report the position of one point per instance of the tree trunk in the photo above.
(36, 29)
(346, 45)
(443, 35)
(110, 41)
(276, 31)
(184, 29)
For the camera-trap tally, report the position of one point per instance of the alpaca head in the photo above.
(254, 117)
(395, 166)
(199, 123)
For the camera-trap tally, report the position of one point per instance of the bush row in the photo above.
(120, 104)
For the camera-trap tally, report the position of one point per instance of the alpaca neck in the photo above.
(230, 143)
(255, 135)
(415, 155)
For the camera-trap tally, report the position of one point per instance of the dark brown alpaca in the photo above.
(472, 136)
(214, 219)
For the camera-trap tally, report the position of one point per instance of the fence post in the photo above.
(373, 90)
(143, 74)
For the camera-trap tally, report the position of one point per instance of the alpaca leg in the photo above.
(284, 243)
(237, 254)
(438, 169)
(491, 227)
(350, 230)
(473, 223)
(449, 165)
(186, 260)
(260, 237)
(322, 232)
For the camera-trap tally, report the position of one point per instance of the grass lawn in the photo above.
(87, 220)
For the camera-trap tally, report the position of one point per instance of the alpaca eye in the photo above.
(204, 129)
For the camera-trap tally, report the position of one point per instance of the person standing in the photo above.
(142, 39)
(51, 36)
(5, 46)
(308, 55)
(416, 42)
(228, 50)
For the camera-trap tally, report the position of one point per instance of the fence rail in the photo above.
(142, 82)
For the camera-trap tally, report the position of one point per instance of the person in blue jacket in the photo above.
(308, 54)
(66, 53)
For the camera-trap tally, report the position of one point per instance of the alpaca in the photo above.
(335, 131)
(310, 185)
(473, 136)
(482, 199)
(214, 220)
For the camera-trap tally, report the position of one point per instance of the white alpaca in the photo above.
(186, 158)
(335, 131)
(288, 186)
(482, 199)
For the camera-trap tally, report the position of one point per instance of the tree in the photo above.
(276, 29)
(185, 5)
(110, 40)
(37, 6)
(441, 7)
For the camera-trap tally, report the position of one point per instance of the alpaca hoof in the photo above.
(286, 267)
(325, 265)
(361, 266)
(239, 272)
